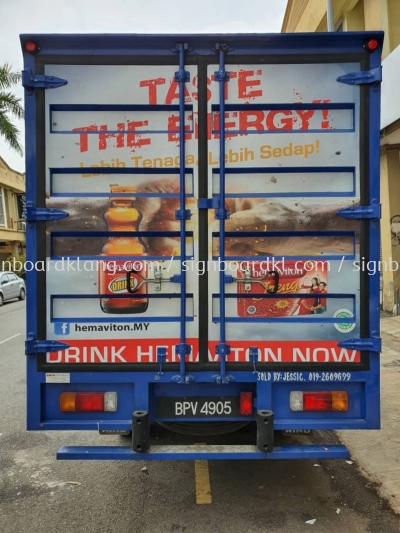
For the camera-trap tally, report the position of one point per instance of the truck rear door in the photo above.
(210, 209)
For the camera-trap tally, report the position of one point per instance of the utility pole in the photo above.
(329, 15)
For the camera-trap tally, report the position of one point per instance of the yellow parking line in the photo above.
(202, 481)
(202, 478)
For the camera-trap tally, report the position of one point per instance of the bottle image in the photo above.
(122, 215)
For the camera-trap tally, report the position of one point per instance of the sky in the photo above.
(126, 16)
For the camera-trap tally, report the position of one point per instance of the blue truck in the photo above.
(202, 213)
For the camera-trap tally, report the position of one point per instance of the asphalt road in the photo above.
(36, 493)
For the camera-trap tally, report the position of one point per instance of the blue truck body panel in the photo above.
(140, 386)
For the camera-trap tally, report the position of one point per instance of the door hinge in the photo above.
(361, 211)
(363, 77)
(182, 74)
(183, 214)
(42, 213)
(33, 346)
(222, 74)
(40, 81)
(373, 344)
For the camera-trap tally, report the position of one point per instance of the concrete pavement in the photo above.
(377, 452)
(39, 494)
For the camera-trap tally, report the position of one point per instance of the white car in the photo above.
(11, 286)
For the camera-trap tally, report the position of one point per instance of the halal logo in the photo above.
(345, 327)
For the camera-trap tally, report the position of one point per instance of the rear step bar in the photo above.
(200, 451)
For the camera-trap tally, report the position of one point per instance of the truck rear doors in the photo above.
(205, 210)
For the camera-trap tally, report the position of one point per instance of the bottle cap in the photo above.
(114, 188)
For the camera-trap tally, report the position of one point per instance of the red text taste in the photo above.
(247, 86)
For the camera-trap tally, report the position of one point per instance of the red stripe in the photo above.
(145, 351)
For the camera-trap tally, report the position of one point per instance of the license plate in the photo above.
(198, 407)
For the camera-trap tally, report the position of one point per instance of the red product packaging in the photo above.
(295, 277)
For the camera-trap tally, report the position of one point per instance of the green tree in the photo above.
(17, 261)
(10, 107)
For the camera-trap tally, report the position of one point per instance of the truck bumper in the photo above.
(200, 451)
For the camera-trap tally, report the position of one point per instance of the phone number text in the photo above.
(304, 376)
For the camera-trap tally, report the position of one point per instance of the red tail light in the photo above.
(79, 402)
(88, 401)
(319, 401)
(30, 46)
(372, 45)
(246, 403)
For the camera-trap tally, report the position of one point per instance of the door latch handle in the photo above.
(128, 281)
(276, 282)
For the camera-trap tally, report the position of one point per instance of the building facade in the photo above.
(12, 227)
(366, 15)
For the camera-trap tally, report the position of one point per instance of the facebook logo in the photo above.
(61, 328)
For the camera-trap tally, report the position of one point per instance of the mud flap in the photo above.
(265, 431)
(140, 432)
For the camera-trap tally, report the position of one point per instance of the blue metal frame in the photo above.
(118, 171)
(182, 349)
(279, 380)
(374, 108)
(290, 170)
(33, 396)
(298, 320)
(283, 107)
(271, 386)
(99, 234)
(125, 319)
(97, 108)
(145, 45)
(187, 453)
(279, 234)
(222, 349)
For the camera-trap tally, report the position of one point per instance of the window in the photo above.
(2, 208)
(12, 277)
(4, 279)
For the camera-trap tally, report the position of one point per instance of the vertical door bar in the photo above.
(373, 406)
(182, 214)
(34, 415)
(222, 349)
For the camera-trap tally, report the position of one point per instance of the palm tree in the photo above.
(10, 105)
